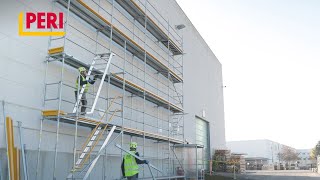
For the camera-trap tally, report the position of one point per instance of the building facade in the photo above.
(264, 148)
(304, 161)
(164, 81)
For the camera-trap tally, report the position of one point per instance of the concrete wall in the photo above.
(203, 89)
(257, 148)
(22, 92)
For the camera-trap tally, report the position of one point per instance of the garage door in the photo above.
(203, 138)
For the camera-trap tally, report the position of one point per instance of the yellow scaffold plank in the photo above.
(10, 140)
(84, 119)
(52, 113)
(13, 152)
(150, 134)
(155, 24)
(148, 92)
(128, 38)
(16, 159)
(56, 50)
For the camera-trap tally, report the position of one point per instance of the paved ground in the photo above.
(280, 175)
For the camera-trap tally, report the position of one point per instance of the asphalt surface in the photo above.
(280, 175)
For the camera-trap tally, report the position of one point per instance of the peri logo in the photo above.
(42, 21)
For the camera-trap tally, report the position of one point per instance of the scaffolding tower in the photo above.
(147, 70)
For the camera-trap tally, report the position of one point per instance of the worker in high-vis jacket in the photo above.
(129, 166)
(82, 77)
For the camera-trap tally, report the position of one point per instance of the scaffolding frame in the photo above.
(198, 171)
(172, 100)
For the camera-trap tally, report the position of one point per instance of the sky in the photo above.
(270, 55)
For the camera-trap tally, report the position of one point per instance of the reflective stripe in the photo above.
(131, 167)
(87, 85)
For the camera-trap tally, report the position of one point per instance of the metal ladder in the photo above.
(176, 126)
(100, 63)
(92, 147)
(83, 167)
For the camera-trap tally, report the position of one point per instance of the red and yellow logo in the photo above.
(41, 21)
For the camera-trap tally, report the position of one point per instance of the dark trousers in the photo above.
(134, 177)
(83, 101)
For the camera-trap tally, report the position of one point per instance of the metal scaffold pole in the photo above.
(111, 28)
(44, 103)
(144, 81)
(154, 86)
(60, 95)
(76, 127)
(182, 86)
(169, 114)
(58, 122)
(22, 146)
(39, 148)
(96, 52)
(131, 97)
(158, 126)
(109, 79)
(123, 94)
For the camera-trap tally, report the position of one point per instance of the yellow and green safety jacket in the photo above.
(130, 165)
(83, 81)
